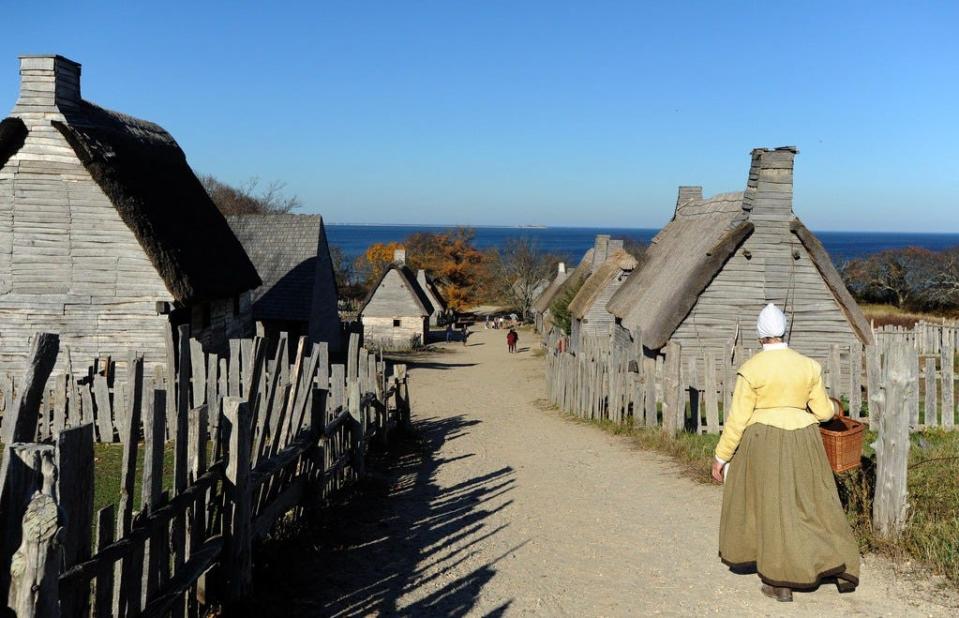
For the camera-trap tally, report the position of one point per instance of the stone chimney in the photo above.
(47, 83)
(399, 257)
(421, 278)
(561, 268)
(615, 244)
(769, 190)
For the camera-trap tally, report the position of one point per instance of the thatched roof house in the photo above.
(708, 273)
(396, 312)
(588, 314)
(106, 235)
(545, 298)
(298, 295)
(603, 247)
(433, 294)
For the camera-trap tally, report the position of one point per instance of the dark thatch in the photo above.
(679, 263)
(144, 173)
(409, 280)
(833, 280)
(13, 134)
(592, 289)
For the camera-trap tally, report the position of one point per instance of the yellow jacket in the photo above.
(777, 387)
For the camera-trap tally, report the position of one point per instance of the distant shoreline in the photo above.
(600, 228)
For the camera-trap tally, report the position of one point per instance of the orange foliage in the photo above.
(378, 258)
(451, 258)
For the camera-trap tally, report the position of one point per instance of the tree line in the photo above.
(911, 278)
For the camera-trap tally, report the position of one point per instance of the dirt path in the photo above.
(507, 509)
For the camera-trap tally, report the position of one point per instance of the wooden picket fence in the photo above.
(927, 337)
(254, 438)
(610, 378)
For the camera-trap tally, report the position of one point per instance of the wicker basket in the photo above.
(842, 437)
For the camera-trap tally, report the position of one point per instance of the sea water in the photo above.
(573, 242)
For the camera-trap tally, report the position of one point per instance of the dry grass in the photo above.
(890, 315)
(931, 536)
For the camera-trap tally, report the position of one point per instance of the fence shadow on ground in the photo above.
(398, 532)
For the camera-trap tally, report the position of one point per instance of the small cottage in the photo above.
(106, 235)
(710, 271)
(588, 314)
(545, 298)
(429, 287)
(292, 256)
(396, 312)
(596, 255)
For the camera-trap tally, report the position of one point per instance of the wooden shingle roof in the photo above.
(284, 249)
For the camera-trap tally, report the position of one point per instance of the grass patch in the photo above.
(108, 462)
(890, 315)
(931, 535)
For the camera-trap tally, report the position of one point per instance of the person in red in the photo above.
(511, 338)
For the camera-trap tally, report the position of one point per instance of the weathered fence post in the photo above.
(239, 561)
(74, 460)
(874, 384)
(20, 419)
(892, 445)
(674, 412)
(35, 566)
(948, 376)
(24, 470)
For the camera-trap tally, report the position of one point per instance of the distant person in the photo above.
(781, 512)
(511, 338)
(465, 332)
(449, 332)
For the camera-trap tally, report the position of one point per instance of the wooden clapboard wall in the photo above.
(68, 262)
(772, 265)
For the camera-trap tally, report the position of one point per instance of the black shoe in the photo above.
(844, 586)
(781, 594)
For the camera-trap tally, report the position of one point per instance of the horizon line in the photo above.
(523, 226)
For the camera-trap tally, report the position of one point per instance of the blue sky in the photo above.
(510, 112)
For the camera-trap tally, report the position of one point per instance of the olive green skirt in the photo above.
(781, 511)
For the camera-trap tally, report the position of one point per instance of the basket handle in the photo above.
(838, 406)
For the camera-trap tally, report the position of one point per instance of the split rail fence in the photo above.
(253, 438)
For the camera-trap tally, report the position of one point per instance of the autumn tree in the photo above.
(375, 260)
(453, 260)
(249, 198)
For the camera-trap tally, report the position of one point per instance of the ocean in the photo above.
(572, 242)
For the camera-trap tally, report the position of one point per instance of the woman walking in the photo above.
(781, 511)
(511, 338)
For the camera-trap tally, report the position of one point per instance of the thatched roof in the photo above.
(13, 133)
(678, 265)
(409, 280)
(593, 287)
(291, 255)
(144, 173)
(552, 292)
(833, 280)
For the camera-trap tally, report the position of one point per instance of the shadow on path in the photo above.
(398, 531)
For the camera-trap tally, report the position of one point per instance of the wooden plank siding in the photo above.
(69, 264)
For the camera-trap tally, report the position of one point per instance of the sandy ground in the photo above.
(504, 508)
